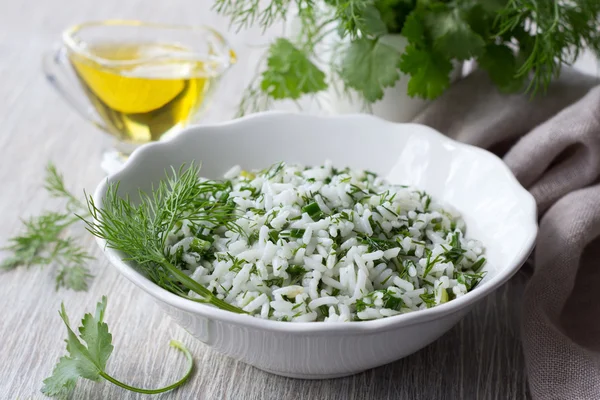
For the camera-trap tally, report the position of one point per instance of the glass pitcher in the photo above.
(137, 81)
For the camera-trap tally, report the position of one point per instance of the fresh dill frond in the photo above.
(141, 231)
(72, 259)
(55, 186)
(45, 241)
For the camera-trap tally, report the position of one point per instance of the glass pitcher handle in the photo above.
(57, 70)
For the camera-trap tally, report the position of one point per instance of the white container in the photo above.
(496, 209)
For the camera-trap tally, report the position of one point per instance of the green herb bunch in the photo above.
(522, 44)
(45, 239)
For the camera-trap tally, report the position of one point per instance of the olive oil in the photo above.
(143, 90)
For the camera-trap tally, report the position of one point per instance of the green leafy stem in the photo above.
(89, 361)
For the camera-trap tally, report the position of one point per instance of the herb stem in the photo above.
(201, 290)
(174, 343)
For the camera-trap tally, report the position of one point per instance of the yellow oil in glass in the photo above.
(139, 102)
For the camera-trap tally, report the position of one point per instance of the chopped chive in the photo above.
(324, 310)
(427, 202)
(296, 273)
(392, 302)
(477, 266)
(274, 282)
(273, 235)
(428, 299)
(312, 210)
(386, 279)
(292, 233)
(253, 238)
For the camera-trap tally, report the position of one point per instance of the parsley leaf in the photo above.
(414, 30)
(452, 36)
(89, 361)
(369, 66)
(290, 73)
(430, 72)
(501, 64)
(372, 24)
(358, 18)
(394, 12)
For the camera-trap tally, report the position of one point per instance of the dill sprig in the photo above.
(45, 241)
(141, 230)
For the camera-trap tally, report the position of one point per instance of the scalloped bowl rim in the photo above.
(383, 324)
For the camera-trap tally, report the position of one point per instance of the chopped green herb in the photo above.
(428, 299)
(455, 254)
(392, 302)
(360, 305)
(292, 233)
(252, 238)
(478, 264)
(312, 210)
(199, 246)
(273, 235)
(274, 282)
(257, 211)
(296, 272)
(469, 280)
(427, 202)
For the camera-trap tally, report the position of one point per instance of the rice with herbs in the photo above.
(322, 244)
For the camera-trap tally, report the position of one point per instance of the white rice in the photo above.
(320, 244)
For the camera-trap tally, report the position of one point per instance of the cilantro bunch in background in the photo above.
(522, 44)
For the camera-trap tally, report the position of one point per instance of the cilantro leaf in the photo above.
(394, 13)
(290, 73)
(414, 29)
(452, 36)
(430, 72)
(94, 331)
(79, 363)
(372, 23)
(500, 63)
(89, 361)
(369, 66)
(358, 18)
(492, 6)
(63, 380)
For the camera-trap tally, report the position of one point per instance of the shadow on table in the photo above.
(480, 358)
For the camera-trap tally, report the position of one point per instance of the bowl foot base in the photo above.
(311, 376)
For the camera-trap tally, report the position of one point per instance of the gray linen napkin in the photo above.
(552, 145)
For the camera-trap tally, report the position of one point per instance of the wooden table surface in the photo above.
(479, 359)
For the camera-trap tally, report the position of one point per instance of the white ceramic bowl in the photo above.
(497, 210)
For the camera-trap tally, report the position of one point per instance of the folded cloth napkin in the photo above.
(552, 145)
